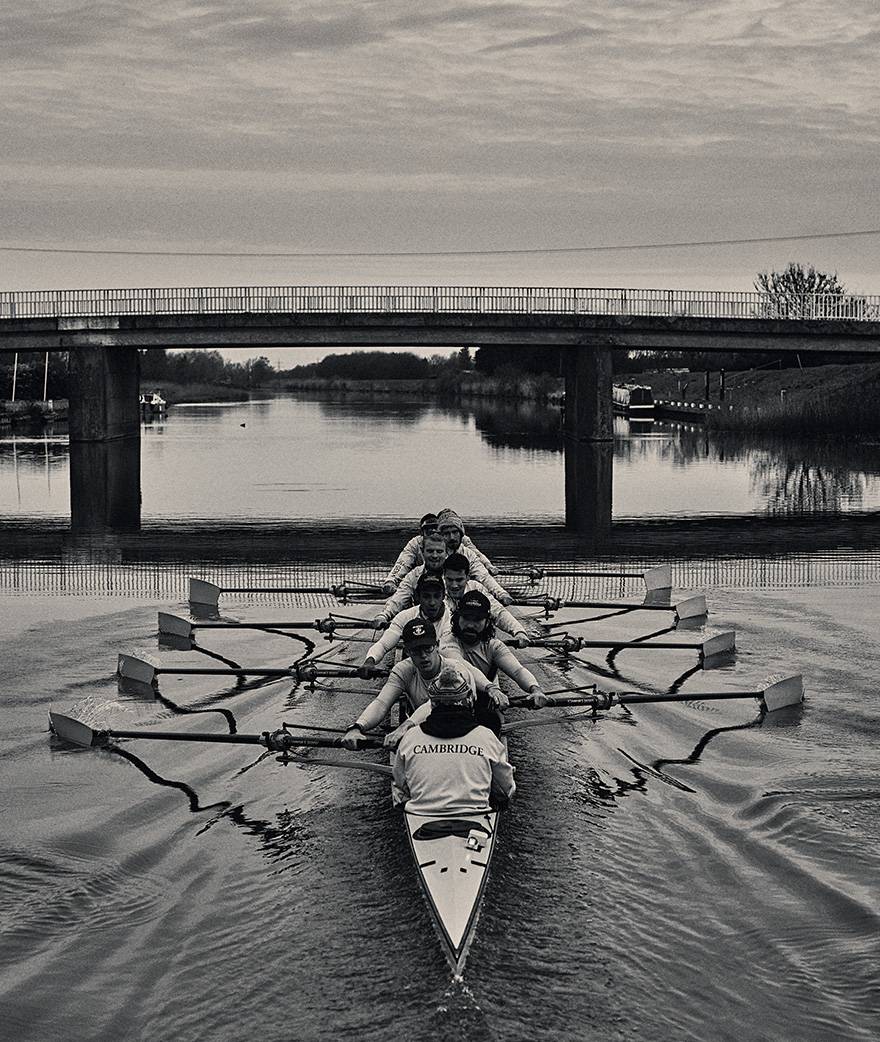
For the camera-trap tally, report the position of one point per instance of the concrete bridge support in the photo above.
(589, 432)
(104, 384)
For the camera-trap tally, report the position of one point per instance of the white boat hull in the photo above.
(452, 857)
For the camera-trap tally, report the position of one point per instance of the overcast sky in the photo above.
(269, 126)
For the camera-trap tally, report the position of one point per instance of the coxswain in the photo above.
(430, 606)
(456, 578)
(450, 764)
(452, 529)
(409, 680)
(472, 638)
(435, 553)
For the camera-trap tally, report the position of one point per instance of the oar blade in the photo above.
(659, 578)
(174, 626)
(137, 670)
(781, 691)
(691, 607)
(719, 644)
(75, 732)
(204, 593)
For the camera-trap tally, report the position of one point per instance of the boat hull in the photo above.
(452, 857)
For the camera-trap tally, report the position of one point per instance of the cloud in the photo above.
(385, 123)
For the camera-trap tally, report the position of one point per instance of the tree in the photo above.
(799, 292)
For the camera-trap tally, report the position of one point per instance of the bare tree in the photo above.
(801, 292)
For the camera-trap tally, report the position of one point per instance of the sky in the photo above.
(394, 127)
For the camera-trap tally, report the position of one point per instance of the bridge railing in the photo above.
(672, 303)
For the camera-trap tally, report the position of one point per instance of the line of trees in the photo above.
(381, 365)
(202, 367)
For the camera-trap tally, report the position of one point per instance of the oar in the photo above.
(689, 608)
(141, 671)
(207, 594)
(69, 729)
(658, 578)
(74, 731)
(717, 644)
(178, 627)
(778, 692)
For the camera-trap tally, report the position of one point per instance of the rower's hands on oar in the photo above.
(352, 739)
(537, 699)
(368, 670)
(379, 623)
(521, 640)
(389, 588)
(505, 599)
(392, 739)
(497, 697)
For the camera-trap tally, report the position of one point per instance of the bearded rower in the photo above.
(409, 681)
(430, 607)
(456, 577)
(472, 638)
(411, 556)
(452, 529)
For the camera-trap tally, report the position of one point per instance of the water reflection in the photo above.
(376, 462)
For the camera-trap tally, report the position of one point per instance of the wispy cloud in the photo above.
(385, 123)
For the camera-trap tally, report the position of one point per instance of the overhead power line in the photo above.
(441, 253)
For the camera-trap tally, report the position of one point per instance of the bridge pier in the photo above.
(103, 390)
(105, 486)
(589, 433)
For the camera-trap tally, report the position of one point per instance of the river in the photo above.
(675, 872)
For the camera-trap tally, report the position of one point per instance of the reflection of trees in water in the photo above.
(515, 424)
(790, 485)
(375, 407)
(793, 477)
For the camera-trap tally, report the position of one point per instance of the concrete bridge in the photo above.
(103, 330)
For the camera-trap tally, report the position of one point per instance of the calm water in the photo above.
(677, 872)
(298, 459)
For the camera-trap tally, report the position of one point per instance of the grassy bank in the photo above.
(174, 393)
(827, 399)
(472, 385)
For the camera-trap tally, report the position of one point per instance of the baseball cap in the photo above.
(418, 633)
(427, 581)
(474, 605)
(428, 519)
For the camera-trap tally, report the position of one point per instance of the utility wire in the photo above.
(445, 253)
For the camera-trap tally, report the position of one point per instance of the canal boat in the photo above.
(635, 401)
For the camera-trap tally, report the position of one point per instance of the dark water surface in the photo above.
(668, 872)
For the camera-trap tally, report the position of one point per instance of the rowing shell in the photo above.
(452, 857)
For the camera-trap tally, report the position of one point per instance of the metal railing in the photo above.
(671, 303)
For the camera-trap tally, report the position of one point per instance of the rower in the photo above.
(430, 607)
(452, 530)
(456, 572)
(411, 555)
(435, 553)
(472, 638)
(409, 681)
(450, 764)
(448, 513)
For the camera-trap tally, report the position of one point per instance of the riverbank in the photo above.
(175, 393)
(469, 385)
(825, 399)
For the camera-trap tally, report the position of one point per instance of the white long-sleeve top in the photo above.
(411, 556)
(405, 681)
(479, 572)
(391, 637)
(490, 657)
(450, 776)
